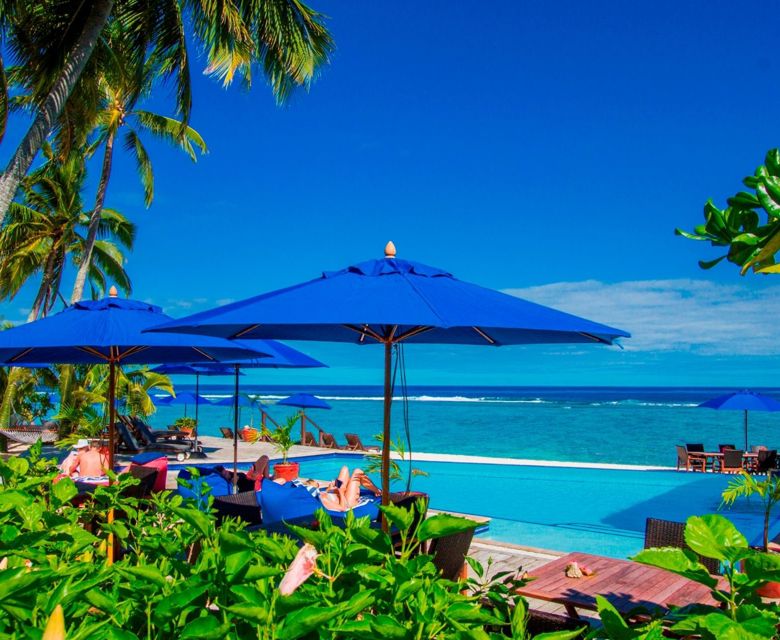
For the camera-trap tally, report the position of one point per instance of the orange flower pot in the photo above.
(288, 471)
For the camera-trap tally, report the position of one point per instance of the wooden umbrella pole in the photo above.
(197, 395)
(386, 429)
(235, 435)
(111, 444)
(746, 430)
(303, 427)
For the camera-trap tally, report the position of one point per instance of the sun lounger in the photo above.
(154, 435)
(226, 432)
(666, 533)
(328, 441)
(355, 444)
(129, 442)
(309, 440)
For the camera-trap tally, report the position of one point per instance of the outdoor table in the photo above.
(712, 457)
(624, 583)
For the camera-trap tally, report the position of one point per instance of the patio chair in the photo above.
(309, 440)
(695, 448)
(732, 461)
(328, 441)
(725, 447)
(355, 444)
(226, 432)
(449, 554)
(684, 460)
(766, 461)
(667, 533)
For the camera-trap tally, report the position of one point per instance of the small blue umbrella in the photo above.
(743, 401)
(304, 401)
(186, 398)
(392, 301)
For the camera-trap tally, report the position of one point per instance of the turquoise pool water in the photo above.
(564, 508)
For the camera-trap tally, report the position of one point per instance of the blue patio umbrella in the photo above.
(392, 301)
(743, 401)
(304, 401)
(110, 331)
(186, 398)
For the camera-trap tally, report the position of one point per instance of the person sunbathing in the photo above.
(343, 493)
(85, 461)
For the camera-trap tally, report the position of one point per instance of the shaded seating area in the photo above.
(726, 459)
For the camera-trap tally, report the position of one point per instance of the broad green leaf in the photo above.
(471, 612)
(196, 518)
(577, 633)
(444, 524)
(303, 621)
(713, 536)
(255, 614)
(173, 603)
(613, 622)
(204, 628)
(385, 626)
(762, 566)
(677, 561)
(398, 517)
(767, 202)
(64, 490)
(148, 573)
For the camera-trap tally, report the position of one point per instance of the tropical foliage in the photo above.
(182, 576)
(749, 225)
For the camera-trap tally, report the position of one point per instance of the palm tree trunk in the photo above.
(53, 104)
(94, 221)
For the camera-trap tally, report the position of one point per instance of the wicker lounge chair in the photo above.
(732, 461)
(666, 533)
(684, 460)
(695, 448)
(328, 441)
(539, 622)
(449, 554)
(226, 432)
(241, 505)
(355, 444)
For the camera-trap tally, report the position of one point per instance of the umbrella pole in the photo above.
(746, 430)
(235, 435)
(111, 445)
(303, 427)
(197, 398)
(386, 430)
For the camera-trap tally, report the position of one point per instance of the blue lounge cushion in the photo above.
(286, 502)
(215, 485)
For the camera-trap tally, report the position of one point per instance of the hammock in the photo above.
(29, 435)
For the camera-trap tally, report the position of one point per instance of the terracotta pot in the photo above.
(288, 471)
(770, 590)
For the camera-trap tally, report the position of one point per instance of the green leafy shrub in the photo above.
(180, 576)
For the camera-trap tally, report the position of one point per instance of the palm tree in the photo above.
(47, 228)
(121, 87)
(286, 38)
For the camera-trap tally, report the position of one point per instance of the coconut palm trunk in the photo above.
(94, 222)
(53, 104)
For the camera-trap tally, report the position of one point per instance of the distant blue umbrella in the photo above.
(186, 398)
(743, 401)
(304, 401)
(389, 302)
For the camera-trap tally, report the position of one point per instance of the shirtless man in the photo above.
(85, 460)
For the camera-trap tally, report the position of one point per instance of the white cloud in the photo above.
(674, 315)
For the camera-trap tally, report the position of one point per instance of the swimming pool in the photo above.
(600, 511)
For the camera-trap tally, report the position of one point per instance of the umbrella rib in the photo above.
(413, 332)
(20, 355)
(130, 352)
(93, 352)
(364, 331)
(204, 354)
(244, 331)
(594, 338)
(484, 335)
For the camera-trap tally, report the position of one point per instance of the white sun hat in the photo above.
(83, 442)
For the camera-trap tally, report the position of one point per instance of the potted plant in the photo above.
(768, 491)
(281, 438)
(185, 425)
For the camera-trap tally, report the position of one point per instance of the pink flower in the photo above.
(301, 568)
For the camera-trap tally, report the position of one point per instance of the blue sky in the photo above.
(545, 149)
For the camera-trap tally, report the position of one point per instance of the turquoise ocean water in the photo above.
(627, 425)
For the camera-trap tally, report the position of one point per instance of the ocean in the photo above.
(632, 425)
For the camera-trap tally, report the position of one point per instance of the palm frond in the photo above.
(134, 145)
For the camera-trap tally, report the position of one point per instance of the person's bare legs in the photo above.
(365, 481)
(343, 476)
(332, 502)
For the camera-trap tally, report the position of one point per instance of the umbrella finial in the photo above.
(112, 292)
(390, 250)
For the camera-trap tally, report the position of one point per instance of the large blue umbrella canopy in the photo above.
(391, 301)
(205, 369)
(110, 331)
(743, 401)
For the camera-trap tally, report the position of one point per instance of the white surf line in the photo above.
(523, 462)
